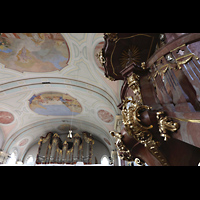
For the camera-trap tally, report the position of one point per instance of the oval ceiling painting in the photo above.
(105, 116)
(55, 103)
(6, 117)
(23, 142)
(33, 52)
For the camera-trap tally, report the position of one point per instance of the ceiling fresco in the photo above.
(64, 89)
(56, 104)
(105, 116)
(23, 142)
(33, 52)
(6, 117)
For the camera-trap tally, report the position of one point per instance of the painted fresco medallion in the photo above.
(6, 117)
(105, 116)
(23, 142)
(55, 103)
(33, 52)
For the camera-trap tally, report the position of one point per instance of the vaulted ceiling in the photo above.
(51, 82)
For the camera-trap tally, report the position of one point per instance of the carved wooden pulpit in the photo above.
(159, 98)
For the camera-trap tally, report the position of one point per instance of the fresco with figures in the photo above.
(57, 104)
(33, 52)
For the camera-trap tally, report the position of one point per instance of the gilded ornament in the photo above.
(130, 117)
(123, 152)
(143, 65)
(166, 124)
(100, 57)
(181, 60)
(179, 63)
(40, 141)
(139, 162)
(110, 78)
(130, 55)
(133, 80)
(56, 135)
(112, 36)
(88, 139)
(131, 109)
(133, 83)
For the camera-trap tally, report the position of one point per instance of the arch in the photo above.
(40, 128)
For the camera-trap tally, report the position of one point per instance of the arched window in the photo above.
(29, 160)
(105, 160)
(13, 158)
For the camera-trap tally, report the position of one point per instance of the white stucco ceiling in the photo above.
(82, 79)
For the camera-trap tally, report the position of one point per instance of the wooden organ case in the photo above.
(53, 151)
(159, 98)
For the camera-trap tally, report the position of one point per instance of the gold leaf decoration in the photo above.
(131, 54)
